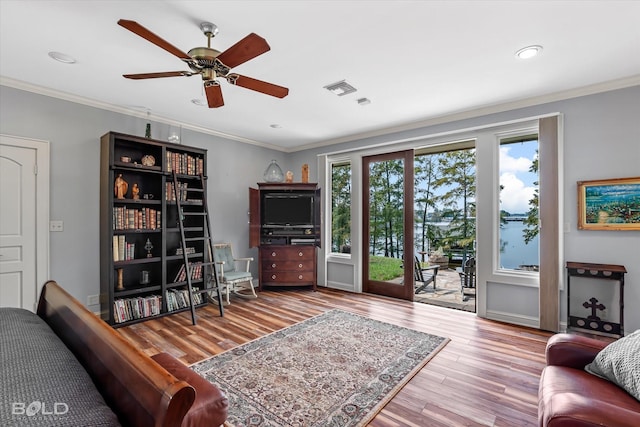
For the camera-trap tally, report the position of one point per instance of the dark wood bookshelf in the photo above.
(123, 154)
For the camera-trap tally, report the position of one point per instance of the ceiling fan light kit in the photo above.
(210, 63)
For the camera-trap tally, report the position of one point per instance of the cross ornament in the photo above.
(593, 306)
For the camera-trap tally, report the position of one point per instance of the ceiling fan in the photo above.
(211, 63)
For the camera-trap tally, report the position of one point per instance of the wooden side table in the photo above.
(593, 323)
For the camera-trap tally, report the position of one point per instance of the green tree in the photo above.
(386, 223)
(458, 179)
(426, 169)
(340, 207)
(531, 222)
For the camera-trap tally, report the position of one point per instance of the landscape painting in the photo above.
(612, 204)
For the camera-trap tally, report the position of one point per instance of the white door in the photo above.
(18, 216)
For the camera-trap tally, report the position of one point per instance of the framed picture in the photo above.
(609, 204)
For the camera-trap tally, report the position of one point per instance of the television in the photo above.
(287, 210)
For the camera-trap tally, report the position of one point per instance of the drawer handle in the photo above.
(299, 265)
(273, 276)
(300, 276)
(299, 253)
(273, 265)
(273, 254)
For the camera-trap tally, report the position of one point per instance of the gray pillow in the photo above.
(619, 362)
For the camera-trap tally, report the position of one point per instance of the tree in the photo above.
(386, 223)
(531, 221)
(458, 179)
(340, 207)
(426, 169)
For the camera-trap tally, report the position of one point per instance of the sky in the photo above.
(515, 161)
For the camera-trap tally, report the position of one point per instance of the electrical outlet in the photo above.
(604, 315)
(93, 300)
(56, 226)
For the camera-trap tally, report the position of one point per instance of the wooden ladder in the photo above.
(207, 266)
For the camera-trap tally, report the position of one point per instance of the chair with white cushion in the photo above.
(233, 273)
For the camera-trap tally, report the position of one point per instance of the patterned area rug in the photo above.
(337, 369)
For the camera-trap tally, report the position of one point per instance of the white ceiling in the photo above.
(415, 60)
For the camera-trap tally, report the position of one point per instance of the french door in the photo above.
(388, 224)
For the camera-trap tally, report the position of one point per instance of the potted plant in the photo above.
(438, 257)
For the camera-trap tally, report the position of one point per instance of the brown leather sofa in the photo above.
(570, 396)
(158, 391)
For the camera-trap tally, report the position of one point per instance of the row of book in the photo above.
(179, 298)
(190, 250)
(123, 250)
(136, 219)
(196, 272)
(184, 163)
(127, 309)
(182, 190)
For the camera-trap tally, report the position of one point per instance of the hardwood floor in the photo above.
(487, 375)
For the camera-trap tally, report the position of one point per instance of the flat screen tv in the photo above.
(287, 210)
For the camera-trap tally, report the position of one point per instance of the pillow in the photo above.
(619, 362)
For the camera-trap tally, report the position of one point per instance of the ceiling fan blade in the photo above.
(214, 94)
(246, 49)
(258, 85)
(158, 75)
(134, 27)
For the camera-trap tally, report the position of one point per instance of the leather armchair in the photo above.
(570, 396)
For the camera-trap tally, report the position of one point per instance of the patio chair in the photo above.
(468, 276)
(424, 275)
(231, 276)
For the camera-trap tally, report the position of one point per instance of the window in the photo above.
(519, 223)
(341, 207)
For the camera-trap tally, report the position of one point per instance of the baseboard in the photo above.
(516, 319)
(347, 287)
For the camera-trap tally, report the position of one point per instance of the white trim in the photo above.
(487, 110)
(502, 316)
(42, 204)
(446, 118)
(40, 90)
(439, 137)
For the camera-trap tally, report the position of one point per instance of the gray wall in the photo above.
(601, 140)
(74, 132)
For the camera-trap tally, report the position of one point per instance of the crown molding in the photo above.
(450, 117)
(129, 111)
(486, 110)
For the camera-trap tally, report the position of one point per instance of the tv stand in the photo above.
(287, 253)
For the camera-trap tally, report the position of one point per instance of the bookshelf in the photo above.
(141, 263)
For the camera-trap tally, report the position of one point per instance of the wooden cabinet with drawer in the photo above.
(288, 265)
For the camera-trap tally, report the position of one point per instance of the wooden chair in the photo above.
(424, 275)
(231, 276)
(468, 276)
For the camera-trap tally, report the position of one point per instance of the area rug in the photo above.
(336, 369)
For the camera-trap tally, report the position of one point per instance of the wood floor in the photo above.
(487, 375)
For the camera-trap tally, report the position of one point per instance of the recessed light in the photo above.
(61, 57)
(199, 102)
(275, 126)
(528, 52)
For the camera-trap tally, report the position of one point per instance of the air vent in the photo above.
(340, 88)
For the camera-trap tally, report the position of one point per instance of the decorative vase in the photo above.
(273, 173)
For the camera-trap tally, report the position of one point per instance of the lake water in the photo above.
(516, 252)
